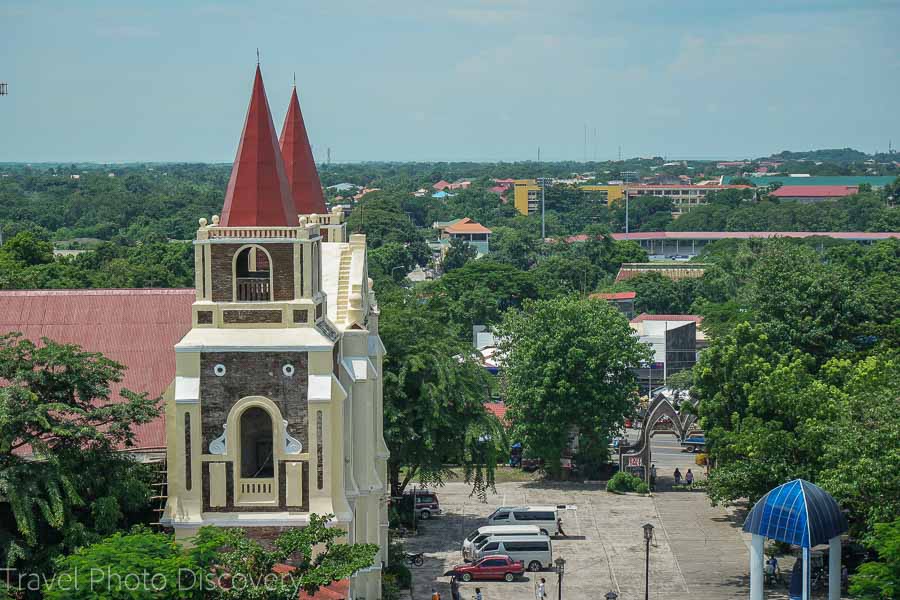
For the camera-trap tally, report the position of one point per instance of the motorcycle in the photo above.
(415, 558)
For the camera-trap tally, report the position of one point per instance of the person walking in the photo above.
(689, 478)
(677, 476)
(454, 589)
(652, 477)
(559, 528)
(541, 592)
(478, 595)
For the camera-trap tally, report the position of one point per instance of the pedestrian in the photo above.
(454, 588)
(478, 595)
(689, 477)
(541, 592)
(677, 476)
(559, 528)
(435, 595)
(652, 477)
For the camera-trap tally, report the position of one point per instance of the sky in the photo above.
(428, 80)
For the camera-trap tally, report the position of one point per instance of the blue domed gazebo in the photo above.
(802, 514)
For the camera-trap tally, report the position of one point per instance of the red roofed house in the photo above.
(467, 230)
(498, 409)
(814, 193)
(624, 301)
(273, 406)
(442, 185)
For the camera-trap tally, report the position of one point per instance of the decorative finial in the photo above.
(295, 79)
(203, 222)
(257, 57)
(215, 219)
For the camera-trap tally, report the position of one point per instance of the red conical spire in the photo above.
(258, 191)
(299, 163)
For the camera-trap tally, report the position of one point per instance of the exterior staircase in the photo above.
(160, 488)
(343, 293)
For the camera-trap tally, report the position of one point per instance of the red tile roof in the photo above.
(466, 225)
(648, 317)
(723, 235)
(498, 409)
(441, 185)
(137, 328)
(614, 296)
(258, 191)
(299, 164)
(814, 191)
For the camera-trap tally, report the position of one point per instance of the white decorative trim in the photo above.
(187, 390)
(288, 370)
(217, 446)
(291, 444)
(219, 370)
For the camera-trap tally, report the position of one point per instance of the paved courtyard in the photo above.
(698, 552)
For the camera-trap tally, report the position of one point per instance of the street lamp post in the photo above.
(648, 535)
(560, 571)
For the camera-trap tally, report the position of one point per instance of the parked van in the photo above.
(543, 517)
(482, 533)
(535, 551)
(426, 503)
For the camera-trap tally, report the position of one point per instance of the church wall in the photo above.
(254, 374)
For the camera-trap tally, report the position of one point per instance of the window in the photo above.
(252, 273)
(424, 499)
(501, 516)
(492, 546)
(526, 546)
(535, 516)
(472, 536)
(493, 562)
(256, 444)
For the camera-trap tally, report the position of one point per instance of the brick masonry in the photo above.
(221, 259)
(204, 317)
(251, 316)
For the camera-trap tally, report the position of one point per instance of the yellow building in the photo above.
(612, 193)
(527, 196)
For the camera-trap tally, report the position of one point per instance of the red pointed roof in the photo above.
(299, 163)
(258, 191)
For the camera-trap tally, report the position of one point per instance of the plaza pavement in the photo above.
(698, 551)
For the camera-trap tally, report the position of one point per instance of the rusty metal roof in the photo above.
(137, 328)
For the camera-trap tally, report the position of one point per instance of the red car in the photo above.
(491, 567)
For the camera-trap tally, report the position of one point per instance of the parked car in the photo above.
(544, 517)
(491, 567)
(536, 551)
(426, 504)
(694, 444)
(475, 538)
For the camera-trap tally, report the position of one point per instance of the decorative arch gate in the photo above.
(662, 417)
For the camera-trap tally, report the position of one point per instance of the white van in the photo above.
(482, 533)
(544, 517)
(535, 551)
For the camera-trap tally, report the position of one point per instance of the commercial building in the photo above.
(876, 181)
(683, 197)
(623, 301)
(808, 194)
(662, 245)
(672, 339)
(674, 271)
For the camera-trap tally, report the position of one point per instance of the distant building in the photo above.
(460, 184)
(668, 244)
(684, 197)
(343, 187)
(441, 185)
(527, 196)
(624, 301)
(442, 194)
(876, 181)
(467, 230)
(674, 271)
(608, 193)
(673, 341)
(808, 194)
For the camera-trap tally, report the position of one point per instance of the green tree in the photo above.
(61, 482)
(568, 368)
(28, 249)
(434, 392)
(220, 564)
(880, 579)
(457, 255)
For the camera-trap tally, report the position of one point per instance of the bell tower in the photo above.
(271, 414)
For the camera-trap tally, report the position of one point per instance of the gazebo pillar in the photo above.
(834, 568)
(757, 543)
(805, 558)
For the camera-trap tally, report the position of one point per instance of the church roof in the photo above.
(258, 192)
(300, 166)
(136, 328)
